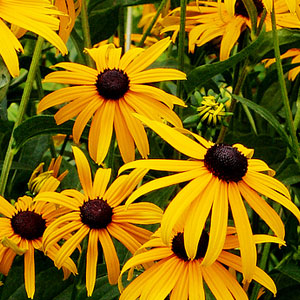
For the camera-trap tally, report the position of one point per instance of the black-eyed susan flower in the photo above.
(21, 232)
(98, 214)
(38, 16)
(218, 176)
(295, 54)
(208, 20)
(45, 181)
(293, 6)
(174, 273)
(110, 94)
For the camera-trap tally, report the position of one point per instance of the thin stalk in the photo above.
(236, 91)
(283, 90)
(86, 32)
(128, 28)
(181, 43)
(10, 153)
(147, 32)
(262, 265)
(121, 29)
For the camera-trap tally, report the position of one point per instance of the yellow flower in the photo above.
(295, 53)
(226, 20)
(111, 94)
(41, 181)
(38, 17)
(98, 214)
(219, 175)
(71, 8)
(211, 110)
(174, 272)
(21, 231)
(293, 6)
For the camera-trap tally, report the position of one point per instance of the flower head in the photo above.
(71, 8)
(41, 181)
(38, 17)
(98, 214)
(218, 176)
(295, 54)
(111, 94)
(21, 232)
(208, 20)
(174, 273)
(293, 6)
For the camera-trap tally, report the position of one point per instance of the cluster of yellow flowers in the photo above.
(194, 242)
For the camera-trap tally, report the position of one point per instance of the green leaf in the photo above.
(252, 12)
(4, 80)
(109, 22)
(261, 48)
(291, 270)
(203, 73)
(267, 116)
(42, 124)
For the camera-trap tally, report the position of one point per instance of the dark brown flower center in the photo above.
(226, 162)
(240, 8)
(96, 213)
(112, 84)
(28, 224)
(179, 250)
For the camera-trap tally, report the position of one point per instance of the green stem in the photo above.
(283, 90)
(10, 153)
(181, 43)
(237, 90)
(147, 32)
(86, 32)
(121, 29)
(262, 265)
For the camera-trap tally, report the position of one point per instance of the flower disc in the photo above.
(226, 162)
(28, 224)
(96, 213)
(112, 84)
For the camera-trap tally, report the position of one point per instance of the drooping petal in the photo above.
(215, 283)
(272, 189)
(70, 245)
(110, 255)
(123, 136)
(181, 201)
(166, 181)
(263, 209)
(102, 127)
(29, 271)
(136, 129)
(125, 238)
(176, 139)
(91, 261)
(218, 227)
(196, 289)
(165, 279)
(244, 231)
(198, 213)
